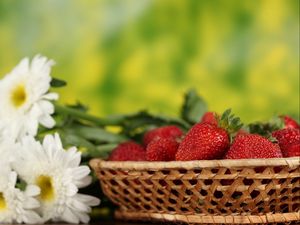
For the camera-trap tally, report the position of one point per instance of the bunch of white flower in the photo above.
(51, 174)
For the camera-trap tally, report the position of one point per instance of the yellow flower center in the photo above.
(2, 202)
(47, 190)
(18, 96)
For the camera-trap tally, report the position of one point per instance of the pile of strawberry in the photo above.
(214, 137)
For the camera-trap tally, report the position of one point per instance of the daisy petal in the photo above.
(69, 216)
(32, 190)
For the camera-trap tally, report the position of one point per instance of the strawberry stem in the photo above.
(230, 123)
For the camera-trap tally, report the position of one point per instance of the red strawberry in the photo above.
(210, 117)
(162, 132)
(162, 149)
(290, 122)
(253, 146)
(203, 141)
(286, 138)
(293, 150)
(128, 151)
(208, 141)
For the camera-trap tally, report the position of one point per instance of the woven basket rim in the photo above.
(292, 162)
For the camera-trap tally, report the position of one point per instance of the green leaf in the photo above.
(96, 134)
(226, 114)
(83, 145)
(193, 107)
(102, 151)
(79, 106)
(136, 123)
(21, 184)
(230, 123)
(87, 148)
(78, 112)
(57, 83)
(266, 128)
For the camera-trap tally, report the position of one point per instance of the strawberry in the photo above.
(128, 151)
(251, 146)
(210, 117)
(203, 141)
(293, 150)
(290, 122)
(208, 141)
(287, 139)
(162, 132)
(162, 149)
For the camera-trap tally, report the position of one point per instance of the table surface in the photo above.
(109, 223)
(141, 223)
(122, 223)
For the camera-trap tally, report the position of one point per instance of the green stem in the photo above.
(87, 117)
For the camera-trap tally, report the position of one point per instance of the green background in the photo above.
(121, 56)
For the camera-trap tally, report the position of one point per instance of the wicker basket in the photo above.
(212, 192)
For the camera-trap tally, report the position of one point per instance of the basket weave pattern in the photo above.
(216, 191)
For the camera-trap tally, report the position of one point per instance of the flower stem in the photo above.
(111, 121)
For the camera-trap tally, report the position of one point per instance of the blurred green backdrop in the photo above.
(120, 56)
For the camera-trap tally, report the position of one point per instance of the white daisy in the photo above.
(59, 175)
(25, 99)
(7, 148)
(16, 206)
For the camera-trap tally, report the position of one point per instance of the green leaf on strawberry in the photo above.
(266, 128)
(230, 123)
